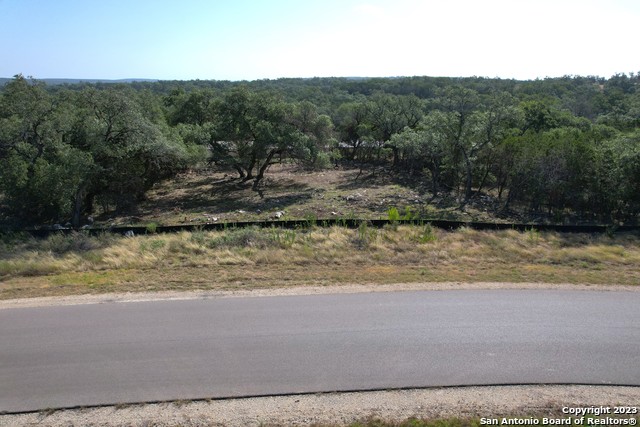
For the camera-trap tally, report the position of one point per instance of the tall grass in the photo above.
(454, 254)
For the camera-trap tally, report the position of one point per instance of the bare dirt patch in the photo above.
(206, 196)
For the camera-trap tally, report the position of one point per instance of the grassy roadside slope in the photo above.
(266, 258)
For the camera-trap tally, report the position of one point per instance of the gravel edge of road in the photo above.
(343, 408)
(296, 290)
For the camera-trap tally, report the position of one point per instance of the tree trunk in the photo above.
(352, 156)
(250, 169)
(469, 179)
(89, 200)
(396, 156)
(263, 169)
(484, 179)
(501, 187)
(434, 182)
(240, 171)
(505, 207)
(77, 206)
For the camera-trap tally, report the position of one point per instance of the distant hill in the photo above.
(4, 80)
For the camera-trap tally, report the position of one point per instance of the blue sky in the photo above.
(252, 39)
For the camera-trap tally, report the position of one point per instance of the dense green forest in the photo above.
(555, 145)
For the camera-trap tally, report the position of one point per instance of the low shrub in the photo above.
(250, 237)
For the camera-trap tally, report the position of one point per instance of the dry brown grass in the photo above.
(263, 258)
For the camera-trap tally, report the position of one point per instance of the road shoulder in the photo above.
(297, 290)
(344, 408)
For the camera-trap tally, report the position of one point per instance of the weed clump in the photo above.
(533, 235)
(151, 228)
(75, 241)
(152, 245)
(426, 235)
(283, 238)
(365, 235)
(393, 215)
(250, 237)
(199, 237)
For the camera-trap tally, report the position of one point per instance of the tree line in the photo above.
(560, 145)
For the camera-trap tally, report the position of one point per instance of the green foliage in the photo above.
(569, 168)
(610, 231)
(250, 131)
(39, 174)
(409, 214)
(342, 222)
(195, 108)
(426, 235)
(63, 150)
(152, 245)
(627, 169)
(250, 237)
(74, 242)
(562, 147)
(533, 235)
(283, 238)
(151, 228)
(312, 219)
(393, 215)
(323, 160)
(352, 126)
(132, 152)
(365, 235)
(538, 116)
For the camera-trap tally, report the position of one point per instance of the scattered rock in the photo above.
(353, 197)
(278, 215)
(129, 233)
(57, 227)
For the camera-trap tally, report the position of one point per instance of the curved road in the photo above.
(64, 356)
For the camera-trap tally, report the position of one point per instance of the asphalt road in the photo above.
(65, 356)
